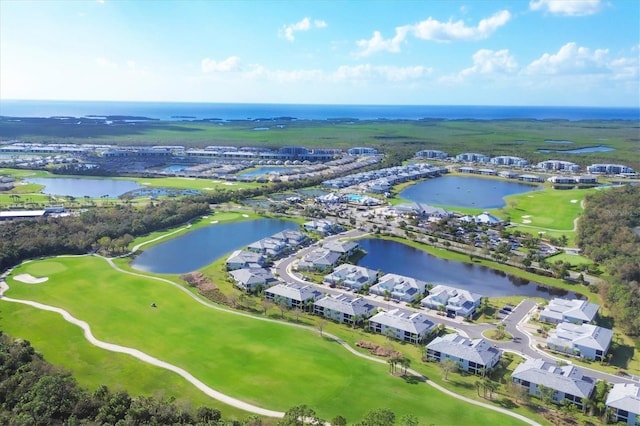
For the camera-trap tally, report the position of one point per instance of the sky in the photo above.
(419, 52)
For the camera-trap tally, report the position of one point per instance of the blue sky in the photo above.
(538, 52)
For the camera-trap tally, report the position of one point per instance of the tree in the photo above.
(282, 304)
(266, 304)
(405, 363)
(409, 420)
(338, 421)
(546, 394)
(447, 366)
(299, 416)
(378, 417)
(320, 325)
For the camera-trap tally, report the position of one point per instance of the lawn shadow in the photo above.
(621, 355)
(506, 403)
(413, 380)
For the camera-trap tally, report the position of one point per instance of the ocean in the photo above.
(231, 111)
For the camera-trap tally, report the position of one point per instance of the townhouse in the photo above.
(399, 287)
(344, 308)
(296, 295)
(402, 325)
(567, 382)
(583, 340)
(623, 403)
(452, 300)
(351, 276)
(569, 310)
(477, 356)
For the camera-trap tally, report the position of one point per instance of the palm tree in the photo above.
(478, 385)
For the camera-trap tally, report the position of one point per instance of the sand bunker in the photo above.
(526, 216)
(214, 221)
(526, 221)
(245, 215)
(29, 279)
(574, 201)
(229, 183)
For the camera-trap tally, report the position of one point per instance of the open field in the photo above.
(492, 137)
(245, 358)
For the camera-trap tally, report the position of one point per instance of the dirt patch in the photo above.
(205, 287)
(30, 279)
(378, 350)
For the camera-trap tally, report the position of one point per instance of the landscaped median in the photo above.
(264, 363)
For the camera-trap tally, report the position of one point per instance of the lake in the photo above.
(193, 250)
(464, 191)
(586, 150)
(397, 258)
(81, 187)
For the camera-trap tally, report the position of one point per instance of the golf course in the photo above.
(265, 363)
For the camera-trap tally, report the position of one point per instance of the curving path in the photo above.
(234, 402)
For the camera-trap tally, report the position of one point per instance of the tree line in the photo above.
(608, 233)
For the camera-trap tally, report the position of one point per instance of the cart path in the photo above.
(234, 402)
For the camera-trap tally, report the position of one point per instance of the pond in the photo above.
(586, 150)
(193, 250)
(85, 187)
(397, 258)
(259, 171)
(464, 191)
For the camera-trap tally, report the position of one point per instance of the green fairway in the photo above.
(549, 209)
(264, 363)
(193, 183)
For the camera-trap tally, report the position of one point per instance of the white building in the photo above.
(507, 160)
(564, 310)
(343, 308)
(476, 356)
(351, 276)
(583, 340)
(399, 287)
(624, 402)
(609, 169)
(452, 300)
(558, 165)
(407, 326)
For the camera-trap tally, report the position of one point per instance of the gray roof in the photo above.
(244, 256)
(479, 351)
(578, 309)
(295, 291)
(354, 273)
(346, 304)
(341, 246)
(567, 379)
(625, 396)
(587, 335)
(289, 236)
(413, 322)
(399, 284)
(251, 276)
(322, 256)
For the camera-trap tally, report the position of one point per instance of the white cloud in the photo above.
(365, 72)
(434, 30)
(570, 59)
(231, 64)
(305, 24)
(567, 7)
(106, 63)
(487, 61)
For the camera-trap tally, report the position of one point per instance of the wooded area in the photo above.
(607, 235)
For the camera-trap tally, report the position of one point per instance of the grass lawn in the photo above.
(193, 183)
(573, 259)
(549, 209)
(260, 362)
(93, 367)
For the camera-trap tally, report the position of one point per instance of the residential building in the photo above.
(564, 310)
(320, 259)
(477, 356)
(472, 157)
(269, 247)
(351, 276)
(291, 237)
(530, 178)
(296, 295)
(322, 226)
(362, 150)
(507, 160)
(241, 259)
(583, 340)
(403, 325)
(249, 279)
(344, 248)
(452, 300)
(558, 165)
(431, 153)
(609, 169)
(624, 403)
(568, 382)
(344, 308)
(399, 287)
